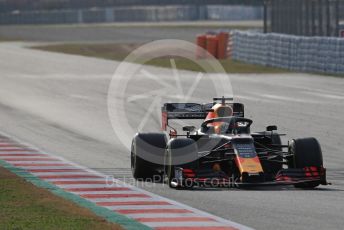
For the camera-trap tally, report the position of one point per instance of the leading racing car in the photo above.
(223, 151)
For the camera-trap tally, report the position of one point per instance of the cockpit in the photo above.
(226, 125)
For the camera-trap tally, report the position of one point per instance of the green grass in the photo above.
(24, 206)
(8, 39)
(119, 51)
(229, 66)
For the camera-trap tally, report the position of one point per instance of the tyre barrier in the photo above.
(297, 53)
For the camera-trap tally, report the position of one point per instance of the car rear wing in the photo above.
(172, 111)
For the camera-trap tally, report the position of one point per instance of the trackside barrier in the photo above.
(310, 54)
(212, 45)
(222, 45)
(230, 45)
(215, 43)
(183, 12)
(201, 42)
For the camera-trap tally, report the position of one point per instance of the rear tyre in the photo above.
(180, 153)
(307, 153)
(147, 153)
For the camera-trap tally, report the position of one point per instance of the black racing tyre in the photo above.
(307, 152)
(147, 154)
(180, 153)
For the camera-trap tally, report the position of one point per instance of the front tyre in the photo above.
(307, 153)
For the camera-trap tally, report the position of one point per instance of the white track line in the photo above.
(68, 186)
(186, 224)
(73, 179)
(48, 167)
(140, 207)
(124, 199)
(159, 215)
(106, 192)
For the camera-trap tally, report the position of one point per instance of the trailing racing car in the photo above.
(223, 151)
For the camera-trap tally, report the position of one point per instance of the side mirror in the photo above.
(189, 128)
(271, 128)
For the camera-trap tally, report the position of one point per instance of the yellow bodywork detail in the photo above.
(249, 165)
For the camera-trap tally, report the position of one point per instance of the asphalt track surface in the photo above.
(58, 103)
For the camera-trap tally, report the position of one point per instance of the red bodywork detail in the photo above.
(210, 115)
(307, 173)
(189, 173)
(239, 160)
(164, 121)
